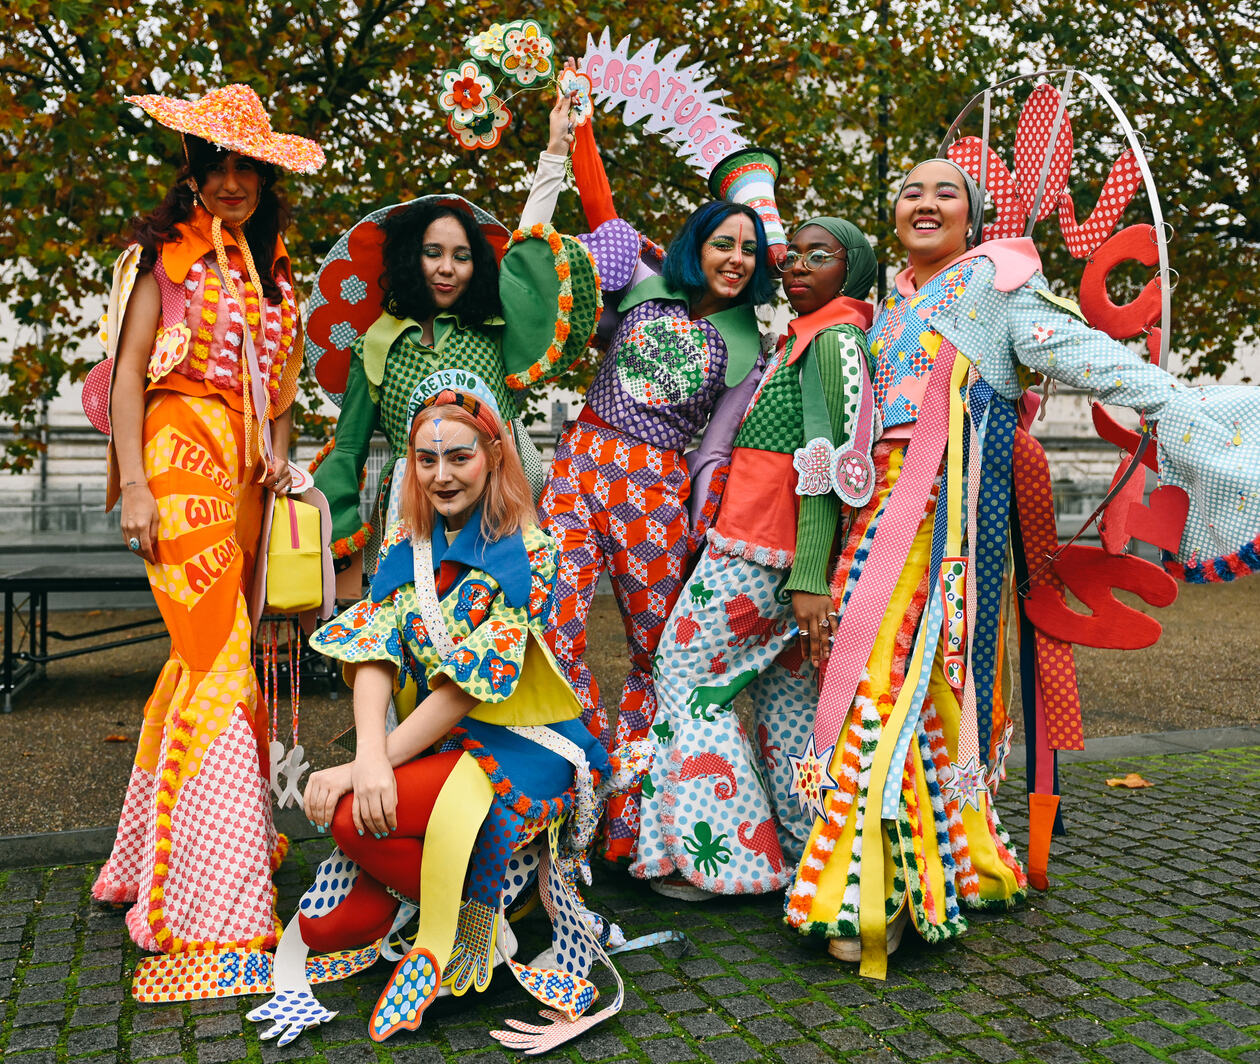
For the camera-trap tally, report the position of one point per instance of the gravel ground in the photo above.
(63, 767)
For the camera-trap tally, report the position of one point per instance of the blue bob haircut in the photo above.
(682, 258)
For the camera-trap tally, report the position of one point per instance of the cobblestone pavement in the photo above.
(1146, 948)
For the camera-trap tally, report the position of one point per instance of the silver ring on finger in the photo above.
(133, 545)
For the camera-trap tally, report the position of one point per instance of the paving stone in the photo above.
(216, 1025)
(656, 981)
(916, 1045)
(813, 1014)
(1238, 1015)
(47, 973)
(1170, 1012)
(37, 1056)
(1197, 1056)
(230, 1049)
(149, 1018)
(1105, 1009)
(1154, 1034)
(1222, 1036)
(42, 1037)
(1185, 990)
(91, 1040)
(91, 1015)
(1014, 1029)
(1127, 1053)
(363, 1054)
(1081, 1031)
(991, 1050)
(667, 1050)
(880, 1017)
(951, 1024)
(101, 995)
(298, 1049)
(684, 1001)
(723, 986)
(804, 1053)
(644, 1024)
(161, 1043)
(770, 1030)
(35, 1014)
(745, 1006)
(730, 1051)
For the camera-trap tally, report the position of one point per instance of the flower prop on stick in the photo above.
(476, 108)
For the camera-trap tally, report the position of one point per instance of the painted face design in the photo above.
(729, 257)
(451, 467)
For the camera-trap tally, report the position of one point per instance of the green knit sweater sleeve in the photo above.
(338, 474)
(816, 521)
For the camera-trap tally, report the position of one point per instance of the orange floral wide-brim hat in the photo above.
(233, 118)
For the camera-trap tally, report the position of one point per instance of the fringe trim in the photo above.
(513, 797)
(741, 548)
(1223, 570)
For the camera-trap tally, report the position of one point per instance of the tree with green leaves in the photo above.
(848, 94)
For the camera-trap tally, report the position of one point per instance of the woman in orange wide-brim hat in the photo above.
(204, 331)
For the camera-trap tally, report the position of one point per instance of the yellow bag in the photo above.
(295, 558)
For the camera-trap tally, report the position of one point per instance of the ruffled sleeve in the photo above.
(1209, 437)
(367, 631)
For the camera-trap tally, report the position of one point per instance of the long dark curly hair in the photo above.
(407, 294)
(270, 219)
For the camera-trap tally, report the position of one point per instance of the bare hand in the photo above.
(140, 519)
(375, 795)
(323, 791)
(278, 479)
(814, 618)
(560, 123)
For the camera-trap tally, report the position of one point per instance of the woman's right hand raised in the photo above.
(140, 520)
(375, 795)
(560, 122)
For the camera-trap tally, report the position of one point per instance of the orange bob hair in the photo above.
(507, 504)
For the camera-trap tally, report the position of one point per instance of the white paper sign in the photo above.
(676, 101)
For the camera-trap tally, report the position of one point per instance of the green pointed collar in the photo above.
(382, 333)
(736, 325)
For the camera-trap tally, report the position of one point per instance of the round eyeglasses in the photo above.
(813, 260)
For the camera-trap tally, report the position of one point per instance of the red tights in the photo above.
(366, 913)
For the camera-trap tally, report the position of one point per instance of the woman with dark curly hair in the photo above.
(446, 304)
(204, 331)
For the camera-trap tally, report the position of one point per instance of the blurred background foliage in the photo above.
(848, 93)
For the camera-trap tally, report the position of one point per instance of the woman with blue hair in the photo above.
(682, 343)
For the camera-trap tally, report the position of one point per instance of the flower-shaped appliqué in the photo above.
(488, 44)
(571, 81)
(466, 92)
(853, 477)
(338, 322)
(483, 131)
(527, 53)
(169, 350)
(813, 467)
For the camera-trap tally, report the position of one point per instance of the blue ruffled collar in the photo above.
(505, 560)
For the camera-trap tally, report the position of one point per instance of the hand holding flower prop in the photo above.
(476, 108)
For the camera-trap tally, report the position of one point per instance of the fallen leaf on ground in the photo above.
(116, 739)
(1132, 781)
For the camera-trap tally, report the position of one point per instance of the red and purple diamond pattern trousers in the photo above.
(615, 503)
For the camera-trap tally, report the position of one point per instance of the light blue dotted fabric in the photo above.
(1209, 437)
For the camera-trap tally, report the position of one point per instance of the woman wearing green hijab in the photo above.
(718, 815)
